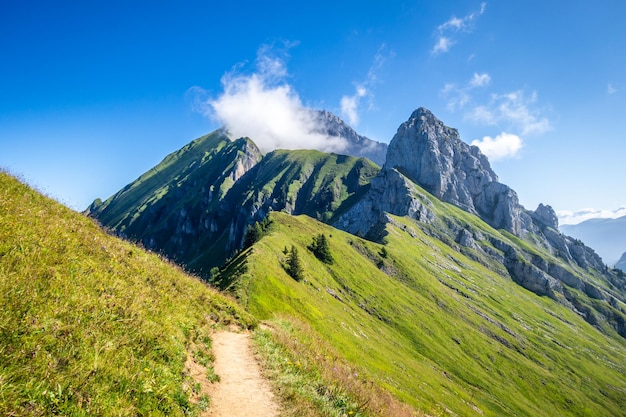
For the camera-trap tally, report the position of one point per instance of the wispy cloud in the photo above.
(505, 145)
(459, 96)
(480, 80)
(265, 107)
(579, 216)
(514, 110)
(350, 104)
(446, 33)
(610, 89)
(443, 44)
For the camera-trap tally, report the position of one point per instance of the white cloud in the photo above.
(505, 145)
(446, 31)
(459, 97)
(611, 89)
(443, 45)
(264, 107)
(480, 80)
(514, 110)
(579, 216)
(350, 103)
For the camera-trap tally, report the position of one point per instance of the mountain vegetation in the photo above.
(92, 325)
(197, 205)
(421, 287)
(441, 331)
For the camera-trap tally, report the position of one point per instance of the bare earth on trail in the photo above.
(242, 390)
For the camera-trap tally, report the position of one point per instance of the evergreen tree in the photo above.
(253, 234)
(294, 265)
(321, 249)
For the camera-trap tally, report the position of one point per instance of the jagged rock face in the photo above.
(546, 216)
(433, 156)
(428, 154)
(390, 192)
(358, 145)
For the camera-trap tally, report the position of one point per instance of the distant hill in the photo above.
(92, 325)
(606, 236)
(621, 264)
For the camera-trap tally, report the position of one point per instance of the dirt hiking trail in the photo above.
(242, 390)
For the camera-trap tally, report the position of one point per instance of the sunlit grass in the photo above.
(91, 325)
(440, 331)
(313, 380)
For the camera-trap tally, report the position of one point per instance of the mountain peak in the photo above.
(433, 155)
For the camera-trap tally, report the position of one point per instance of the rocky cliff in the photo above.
(427, 159)
(433, 156)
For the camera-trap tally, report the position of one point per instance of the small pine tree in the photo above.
(214, 275)
(253, 234)
(321, 249)
(294, 265)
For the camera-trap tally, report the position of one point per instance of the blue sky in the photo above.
(93, 94)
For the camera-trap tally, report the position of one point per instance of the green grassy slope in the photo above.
(89, 324)
(195, 206)
(442, 332)
(308, 182)
(120, 210)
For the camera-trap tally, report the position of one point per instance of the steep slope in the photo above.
(196, 205)
(92, 325)
(426, 153)
(445, 333)
(606, 236)
(213, 157)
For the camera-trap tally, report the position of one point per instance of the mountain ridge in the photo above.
(200, 229)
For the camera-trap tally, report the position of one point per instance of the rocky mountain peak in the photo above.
(433, 155)
(546, 216)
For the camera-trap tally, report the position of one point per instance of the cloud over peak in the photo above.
(263, 106)
(514, 109)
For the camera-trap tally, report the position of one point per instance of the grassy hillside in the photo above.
(91, 325)
(155, 183)
(442, 332)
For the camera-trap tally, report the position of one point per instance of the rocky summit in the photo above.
(427, 159)
(434, 156)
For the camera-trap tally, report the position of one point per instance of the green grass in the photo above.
(440, 331)
(92, 325)
(312, 380)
